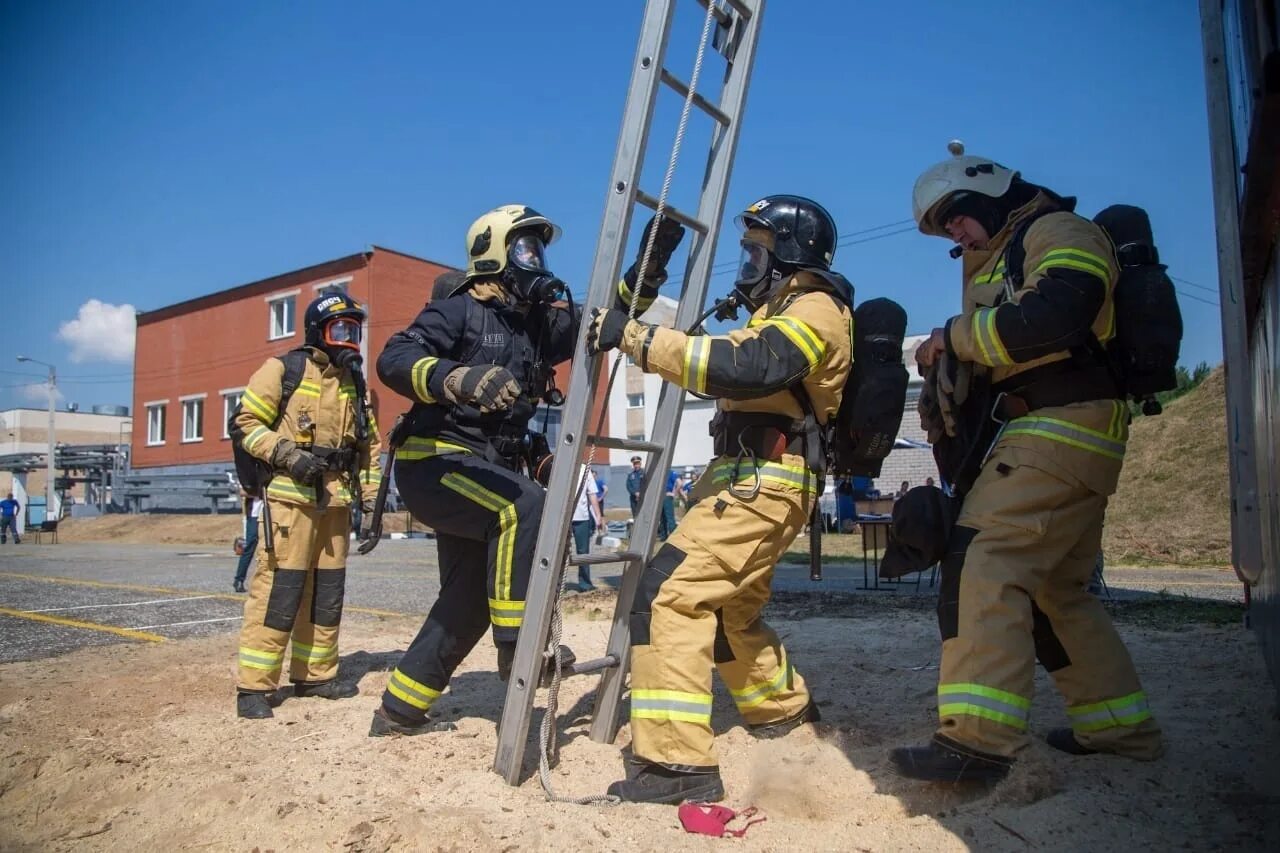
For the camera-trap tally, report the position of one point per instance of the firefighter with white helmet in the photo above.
(1037, 313)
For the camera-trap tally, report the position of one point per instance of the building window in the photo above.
(635, 401)
(339, 286)
(193, 419)
(282, 312)
(155, 424)
(230, 399)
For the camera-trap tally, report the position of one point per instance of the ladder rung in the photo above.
(632, 444)
(698, 101)
(598, 559)
(587, 667)
(722, 16)
(670, 212)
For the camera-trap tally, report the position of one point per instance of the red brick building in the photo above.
(193, 359)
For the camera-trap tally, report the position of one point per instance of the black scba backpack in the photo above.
(862, 433)
(252, 472)
(1143, 355)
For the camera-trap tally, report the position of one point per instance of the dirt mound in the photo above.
(153, 528)
(1173, 503)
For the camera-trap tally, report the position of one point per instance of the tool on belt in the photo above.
(399, 431)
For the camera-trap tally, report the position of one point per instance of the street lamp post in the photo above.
(53, 393)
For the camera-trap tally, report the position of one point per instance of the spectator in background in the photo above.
(906, 487)
(602, 489)
(587, 518)
(928, 481)
(675, 489)
(249, 543)
(635, 481)
(9, 509)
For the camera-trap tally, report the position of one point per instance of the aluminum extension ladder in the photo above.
(735, 31)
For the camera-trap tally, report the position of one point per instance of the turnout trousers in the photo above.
(698, 609)
(297, 594)
(486, 521)
(1014, 588)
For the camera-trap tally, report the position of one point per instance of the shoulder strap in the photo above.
(295, 365)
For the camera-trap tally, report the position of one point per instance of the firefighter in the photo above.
(321, 465)
(475, 363)
(1014, 586)
(777, 382)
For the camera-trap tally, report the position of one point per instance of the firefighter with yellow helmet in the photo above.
(305, 415)
(476, 362)
(1037, 314)
(777, 382)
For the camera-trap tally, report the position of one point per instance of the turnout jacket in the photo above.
(1069, 274)
(804, 335)
(479, 326)
(321, 413)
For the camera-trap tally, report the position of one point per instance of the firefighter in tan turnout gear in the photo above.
(700, 598)
(1037, 313)
(320, 464)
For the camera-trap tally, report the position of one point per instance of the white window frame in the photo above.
(271, 314)
(631, 405)
(161, 406)
(228, 407)
(342, 283)
(199, 400)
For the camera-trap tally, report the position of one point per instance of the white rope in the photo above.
(547, 745)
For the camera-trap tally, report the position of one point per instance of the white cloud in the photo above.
(38, 392)
(101, 332)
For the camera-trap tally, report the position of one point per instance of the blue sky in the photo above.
(158, 151)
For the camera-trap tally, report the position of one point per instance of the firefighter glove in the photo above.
(668, 237)
(605, 331)
(304, 467)
(927, 406)
(488, 387)
(369, 505)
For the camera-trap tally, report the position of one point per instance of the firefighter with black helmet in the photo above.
(1037, 314)
(777, 382)
(476, 362)
(321, 442)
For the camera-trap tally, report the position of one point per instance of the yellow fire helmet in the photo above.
(489, 238)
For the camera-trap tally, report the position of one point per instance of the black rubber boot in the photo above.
(768, 731)
(238, 586)
(653, 783)
(253, 706)
(390, 724)
(507, 656)
(1065, 740)
(945, 760)
(325, 690)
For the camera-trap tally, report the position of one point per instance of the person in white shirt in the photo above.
(252, 514)
(588, 517)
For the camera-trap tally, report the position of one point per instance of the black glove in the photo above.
(605, 331)
(670, 233)
(488, 387)
(304, 467)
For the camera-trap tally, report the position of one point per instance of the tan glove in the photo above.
(369, 505)
(954, 379)
(488, 387)
(304, 467)
(927, 407)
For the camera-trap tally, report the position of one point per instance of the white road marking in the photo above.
(192, 622)
(122, 604)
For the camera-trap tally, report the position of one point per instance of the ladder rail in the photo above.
(544, 582)
(605, 717)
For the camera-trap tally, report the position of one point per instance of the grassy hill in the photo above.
(1173, 503)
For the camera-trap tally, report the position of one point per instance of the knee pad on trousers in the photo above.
(1049, 649)
(285, 597)
(326, 604)
(661, 567)
(949, 582)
